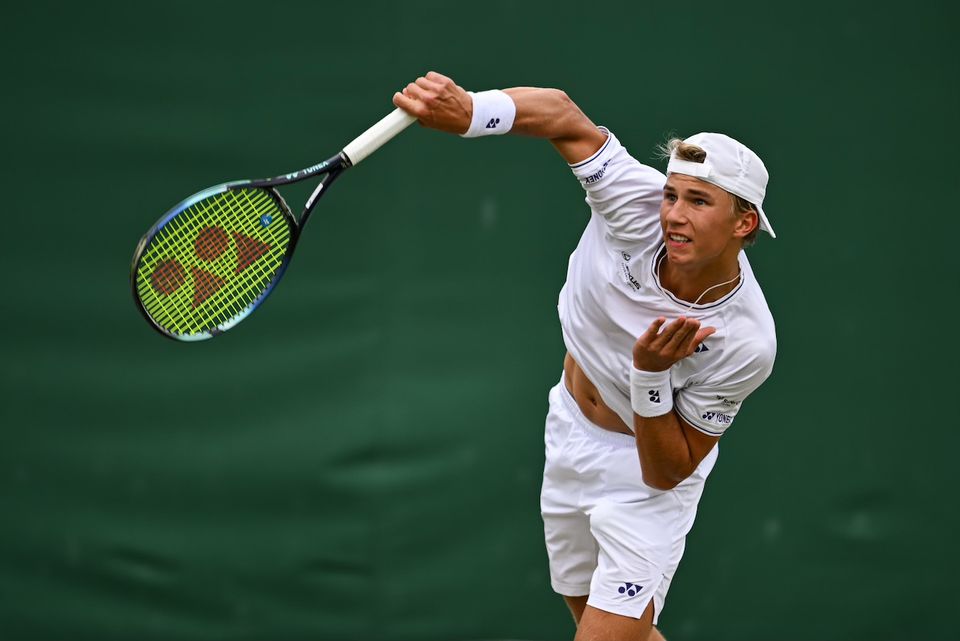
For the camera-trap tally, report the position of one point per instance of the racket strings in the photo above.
(189, 314)
(209, 264)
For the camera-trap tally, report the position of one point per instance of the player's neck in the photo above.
(700, 284)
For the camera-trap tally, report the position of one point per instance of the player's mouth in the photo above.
(678, 240)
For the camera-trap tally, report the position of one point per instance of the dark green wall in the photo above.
(361, 459)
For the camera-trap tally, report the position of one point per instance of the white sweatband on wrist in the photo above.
(651, 393)
(493, 114)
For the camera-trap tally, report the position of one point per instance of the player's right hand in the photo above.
(437, 102)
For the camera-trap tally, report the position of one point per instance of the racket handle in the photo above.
(378, 135)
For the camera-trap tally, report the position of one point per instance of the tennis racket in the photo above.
(215, 257)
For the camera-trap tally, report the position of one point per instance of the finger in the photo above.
(686, 343)
(415, 91)
(438, 77)
(703, 334)
(699, 338)
(429, 85)
(678, 343)
(652, 331)
(664, 337)
(411, 106)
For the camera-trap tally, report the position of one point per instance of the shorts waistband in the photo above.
(590, 428)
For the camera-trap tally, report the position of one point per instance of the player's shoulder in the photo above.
(752, 332)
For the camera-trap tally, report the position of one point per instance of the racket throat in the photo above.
(319, 191)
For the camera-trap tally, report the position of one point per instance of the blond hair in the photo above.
(693, 153)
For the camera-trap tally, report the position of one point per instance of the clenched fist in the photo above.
(437, 102)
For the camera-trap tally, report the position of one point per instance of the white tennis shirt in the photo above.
(613, 293)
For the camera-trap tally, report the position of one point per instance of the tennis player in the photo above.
(667, 333)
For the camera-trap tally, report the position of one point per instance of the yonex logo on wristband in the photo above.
(493, 114)
(650, 392)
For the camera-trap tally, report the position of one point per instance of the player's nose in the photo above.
(676, 212)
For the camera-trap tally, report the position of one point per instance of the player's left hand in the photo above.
(656, 351)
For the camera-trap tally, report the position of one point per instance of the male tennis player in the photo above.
(667, 332)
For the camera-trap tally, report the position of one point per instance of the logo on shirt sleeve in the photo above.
(596, 176)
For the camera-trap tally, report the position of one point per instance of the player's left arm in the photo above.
(672, 443)
(670, 449)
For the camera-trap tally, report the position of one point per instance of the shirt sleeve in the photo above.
(711, 406)
(622, 191)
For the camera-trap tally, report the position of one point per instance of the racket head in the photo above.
(212, 259)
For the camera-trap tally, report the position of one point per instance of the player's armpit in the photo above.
(670, 449)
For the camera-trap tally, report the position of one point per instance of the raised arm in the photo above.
(439, 103)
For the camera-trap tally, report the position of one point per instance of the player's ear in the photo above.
(746, 222)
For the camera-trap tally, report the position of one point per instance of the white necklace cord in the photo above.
(704, 292)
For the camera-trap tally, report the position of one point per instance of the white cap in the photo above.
(729, 165)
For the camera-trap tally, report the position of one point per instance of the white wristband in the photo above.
(493, 114)
(651, 393)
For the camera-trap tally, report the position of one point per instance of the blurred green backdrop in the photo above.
(361, 459)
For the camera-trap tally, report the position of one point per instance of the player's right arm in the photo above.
(439, 103)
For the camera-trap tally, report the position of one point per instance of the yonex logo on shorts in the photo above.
(717, 417)
(654, 396)
(630, 589)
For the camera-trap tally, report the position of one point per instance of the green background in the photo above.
(361, 458)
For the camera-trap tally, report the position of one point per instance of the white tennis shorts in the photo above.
(608, 534)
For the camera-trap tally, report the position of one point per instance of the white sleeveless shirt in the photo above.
(613, 293)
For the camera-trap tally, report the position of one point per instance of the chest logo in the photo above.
(702, 347)
(625, 270)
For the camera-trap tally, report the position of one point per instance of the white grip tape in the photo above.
(493, 114)
(651, 393)
(378, 135)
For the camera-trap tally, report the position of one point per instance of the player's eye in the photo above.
(670, 197)
(699, 202)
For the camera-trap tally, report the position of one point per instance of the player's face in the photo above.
(698, 221)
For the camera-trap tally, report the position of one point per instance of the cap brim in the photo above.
(764, 223)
